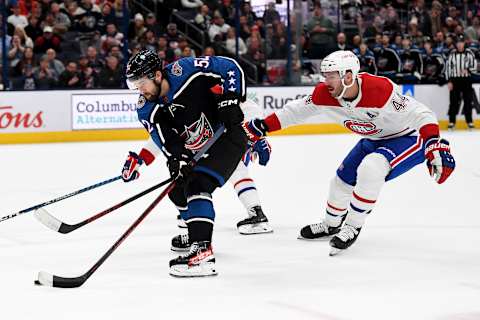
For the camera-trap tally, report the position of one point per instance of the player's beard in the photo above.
(153, 96)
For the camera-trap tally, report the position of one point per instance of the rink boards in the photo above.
(103, 115)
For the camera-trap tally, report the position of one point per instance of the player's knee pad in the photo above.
(371, 175)
(339, 193)
(177, 196)
(240, 173)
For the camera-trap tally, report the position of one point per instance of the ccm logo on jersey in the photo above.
(361, 127)
(229, 102)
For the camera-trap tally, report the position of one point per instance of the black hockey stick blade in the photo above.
(48, 280)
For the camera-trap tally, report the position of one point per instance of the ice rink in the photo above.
(418, 256)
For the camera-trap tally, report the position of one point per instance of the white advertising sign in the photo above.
(104, 111)
(34, 111)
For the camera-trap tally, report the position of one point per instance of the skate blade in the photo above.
(179, 249)
(335, 251)
(256, 228)
(206, 269)
(322, 239)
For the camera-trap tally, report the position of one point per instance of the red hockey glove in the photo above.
(440, 161)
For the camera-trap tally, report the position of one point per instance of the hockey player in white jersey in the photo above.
(399, 133)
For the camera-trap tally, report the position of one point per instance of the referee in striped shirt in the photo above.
(460, 65)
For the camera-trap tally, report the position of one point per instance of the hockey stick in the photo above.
(60, 198)
(47, 279)
(56, 225)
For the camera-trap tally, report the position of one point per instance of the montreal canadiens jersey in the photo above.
(187, 116)
(380, 110)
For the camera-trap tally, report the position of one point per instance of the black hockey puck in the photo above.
(37, 283)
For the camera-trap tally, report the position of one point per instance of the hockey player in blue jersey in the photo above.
(181, 106)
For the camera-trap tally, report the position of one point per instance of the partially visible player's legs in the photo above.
(178, 198)
(336, 210)
(371, 174)
(247, 192)
(209, 173)
(391, 158)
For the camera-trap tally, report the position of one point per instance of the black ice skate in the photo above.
(318, 231)
(344, 239)
(199, 262)
(256, 223)
(180, 243)
(180, 222)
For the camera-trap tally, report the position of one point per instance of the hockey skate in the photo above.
(256, 223)
(180, 222)
(199, 262)
(180, 243)
(318, 231)
(344, 239)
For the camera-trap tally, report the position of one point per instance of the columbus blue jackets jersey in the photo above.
(187, 116)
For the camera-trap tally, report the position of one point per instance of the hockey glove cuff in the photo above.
(255, 129)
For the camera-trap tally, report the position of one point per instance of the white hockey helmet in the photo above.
(341, 61)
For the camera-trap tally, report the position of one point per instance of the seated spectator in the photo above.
(90, 77)
(412, 64)
(172, 36)
(203, 18)
(366, 58)
(117, 53)
(27, 80)
(71, 77)
(256, 56)
(107, 17)
(433, 66)
(33, 30)
(137, 28)
(231, 43)
(94, 61)
(75, 14)
(162, 46)
(54, 63)
(45, 76)
(47, 40)
(473, 31)
(151, 23)
(208, 51)
(342, 42)
(246, 10)
(182, 44)
(17, 19)
(270, 14)
(111, 76)
(15, 54)
(111, 38)
(28, 60)
(227, 10)
(88, 20)
(61, 20)
(388, 62)
(356, 41)
(244, 28)
(25, 40)
(149, 41)
(321, 31)
(187, 52)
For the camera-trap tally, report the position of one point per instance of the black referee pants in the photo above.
(463, 87)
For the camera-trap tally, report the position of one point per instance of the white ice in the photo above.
(418, 257)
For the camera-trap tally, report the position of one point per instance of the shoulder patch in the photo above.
(141, 102)
(321, 96)
(177, 69)
(375, 91)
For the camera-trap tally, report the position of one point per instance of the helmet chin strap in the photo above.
(345, 87)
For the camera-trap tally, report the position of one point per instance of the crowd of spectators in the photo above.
(80, 43)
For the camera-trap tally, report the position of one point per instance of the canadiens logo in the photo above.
(361, 127)
(197, 134)
(177, 69)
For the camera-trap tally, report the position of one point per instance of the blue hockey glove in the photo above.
(263, 149)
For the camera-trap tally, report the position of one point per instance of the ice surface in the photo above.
(418, 257)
